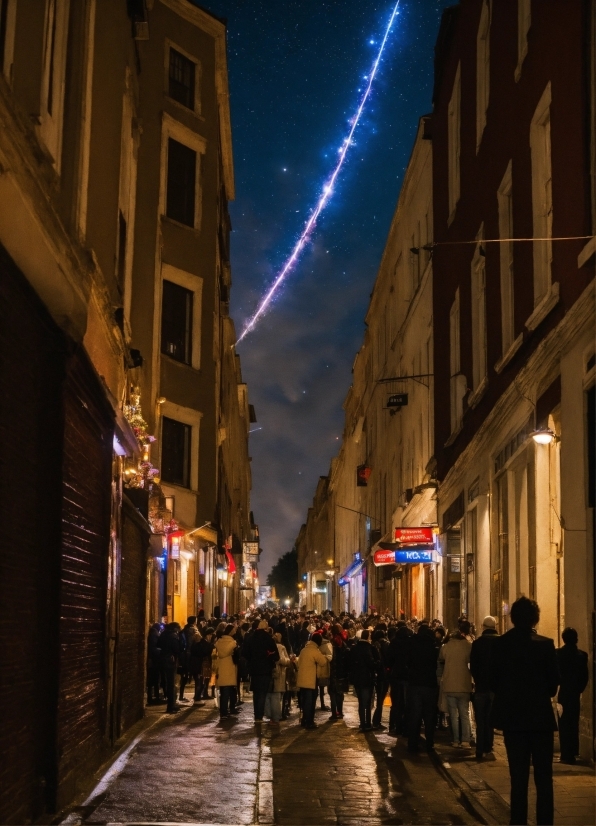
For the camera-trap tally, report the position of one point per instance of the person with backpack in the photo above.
(200, 663)
(261, 653)
(186, 638)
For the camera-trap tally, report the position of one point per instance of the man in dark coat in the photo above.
(480, 659)
(381, 643)
(573, 669)
(423, 689)
(364, 662)
(261, 653)
(169, 645)
(524, 678)
(398, 677)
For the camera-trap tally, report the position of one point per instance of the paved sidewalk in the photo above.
(486, 786)
(194, 769)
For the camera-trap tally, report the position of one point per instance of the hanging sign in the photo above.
(414, 536)
(397, 400)
(362, 475)
(404, 557)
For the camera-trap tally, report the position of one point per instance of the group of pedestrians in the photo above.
(428, 673)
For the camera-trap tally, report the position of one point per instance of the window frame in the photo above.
(54, 74)
(193, 283)
(188, 416)
(9, 39)
(478, 295)
(196, 109)
(454, 146)
(172, 128)
(482, 70)
(524, 21)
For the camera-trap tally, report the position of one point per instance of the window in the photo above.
(482, 70)
(7, 31)
(175, 452)
(129, 140)
(504, 198)
(542, 195)
(478, 318)
(454, 143)
(54, 66)
(524, 20)
(176, 322)
(181, 79)
(181, 183)
(458, 381)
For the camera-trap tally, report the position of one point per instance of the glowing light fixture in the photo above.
(543, 436)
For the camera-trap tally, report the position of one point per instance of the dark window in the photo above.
(182, 168)
(175, 452)
(3, 16)
(176, 322)
(181, 86)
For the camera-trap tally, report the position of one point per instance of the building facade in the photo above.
(514, 319)
(120, 392)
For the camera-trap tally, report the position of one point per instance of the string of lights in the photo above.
(327, 190)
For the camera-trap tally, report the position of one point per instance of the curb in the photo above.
(475, 795)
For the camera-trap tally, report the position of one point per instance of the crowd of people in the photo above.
(432, 675)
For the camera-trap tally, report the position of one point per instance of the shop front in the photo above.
(414, 559)
(352, 583)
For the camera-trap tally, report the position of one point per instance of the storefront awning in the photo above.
(352, 571)
(206, 534)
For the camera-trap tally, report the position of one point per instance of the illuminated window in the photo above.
(176, 322)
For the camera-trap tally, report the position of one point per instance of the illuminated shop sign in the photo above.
(411, 556)
(414, 536)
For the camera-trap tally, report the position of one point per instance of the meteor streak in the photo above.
(327, 189)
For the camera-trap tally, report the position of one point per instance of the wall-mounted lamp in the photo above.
(543, 436)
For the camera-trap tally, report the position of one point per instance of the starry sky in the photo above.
(296, 68)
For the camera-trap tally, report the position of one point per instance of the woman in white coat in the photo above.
(273, 700)
(227, 673)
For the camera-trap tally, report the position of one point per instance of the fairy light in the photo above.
(327, 189)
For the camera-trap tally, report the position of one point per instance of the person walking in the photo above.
(422, 688)
(261, 653)
(226, 673)
(364, 663)
(310, 657)
(169, 646)
(573, 670)
(453, 672)
(482, 700)
(398, 678)
(524, 678)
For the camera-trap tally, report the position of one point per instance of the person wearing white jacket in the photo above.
(274, 697)
(453, 672)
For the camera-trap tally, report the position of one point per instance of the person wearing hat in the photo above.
(480, 659)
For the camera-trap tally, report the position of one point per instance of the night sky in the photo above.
(295, 70)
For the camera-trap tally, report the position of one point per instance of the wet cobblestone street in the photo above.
(194, 769)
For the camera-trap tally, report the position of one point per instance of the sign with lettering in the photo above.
(404, 557)
(397, 400)
(414, 536)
